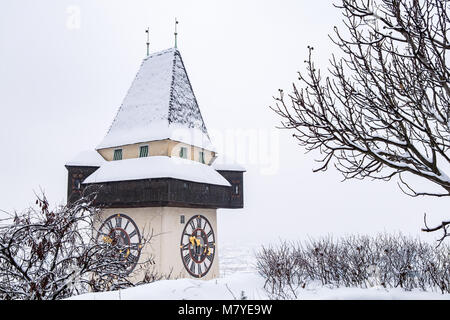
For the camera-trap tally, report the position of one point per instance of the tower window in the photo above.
(183, 152)
(117, 154)
(202, 157)
(77, 184)
(143, 151)
(236, 189)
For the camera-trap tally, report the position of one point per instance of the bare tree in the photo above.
(383, 110)
(53, 254)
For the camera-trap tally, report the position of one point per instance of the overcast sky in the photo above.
(65, 67)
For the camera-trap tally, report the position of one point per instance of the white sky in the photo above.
(62, 80)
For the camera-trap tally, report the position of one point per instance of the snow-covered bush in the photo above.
(54, 254)
(388, 261)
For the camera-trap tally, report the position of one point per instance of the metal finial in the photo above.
(176, 33)
(148, 40)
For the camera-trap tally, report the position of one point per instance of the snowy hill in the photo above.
(239, 277)
(251, 285)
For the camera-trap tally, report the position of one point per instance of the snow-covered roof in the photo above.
(160, 104)
(156, 167)
(88, 158)
(223, 163)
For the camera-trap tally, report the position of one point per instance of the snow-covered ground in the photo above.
(239, 277)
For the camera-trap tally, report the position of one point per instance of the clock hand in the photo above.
(195, 242)
(192, 240)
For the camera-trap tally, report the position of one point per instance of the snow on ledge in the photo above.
(226, 164)
(156, 131)
(87, 158)
(156, 167)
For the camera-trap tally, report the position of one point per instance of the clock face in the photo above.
(122, 232)
(198, 245)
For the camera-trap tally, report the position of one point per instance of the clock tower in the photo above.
(157, 170)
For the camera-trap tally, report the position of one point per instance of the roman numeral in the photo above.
(109, 224)
(134, 246)
(187, 258)
(133, 234)
(192, 268)
(119, 222)
(131, 258)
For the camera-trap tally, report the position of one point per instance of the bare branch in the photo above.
(384, 107)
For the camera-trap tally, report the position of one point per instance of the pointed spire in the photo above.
(148, 41)
(176, 33)
(159, 105)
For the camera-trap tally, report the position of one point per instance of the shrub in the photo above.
(386, 260)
